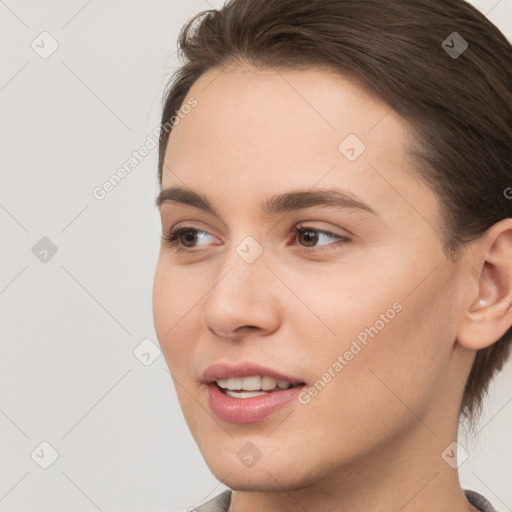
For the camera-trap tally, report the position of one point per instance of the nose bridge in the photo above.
(243, 268)
(237, 298)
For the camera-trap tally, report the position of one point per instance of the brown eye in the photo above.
(309, 236)
(185, 238)
(312, 236)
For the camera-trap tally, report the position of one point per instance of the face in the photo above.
(348, 297)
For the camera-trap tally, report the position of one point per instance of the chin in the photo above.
(268, 474)
(254, 480)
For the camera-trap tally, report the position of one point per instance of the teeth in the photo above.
(223, 383)
(245, 394)
(268, 383)
(252, 383)
(283, 384)
(234, 383)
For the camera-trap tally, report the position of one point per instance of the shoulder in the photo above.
(219, 503)
(478, 501)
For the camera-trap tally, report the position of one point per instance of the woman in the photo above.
(334, 288)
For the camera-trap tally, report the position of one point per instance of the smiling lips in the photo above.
(247, 387)
(242, 370)
(262, 390)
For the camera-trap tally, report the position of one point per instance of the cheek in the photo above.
(365, 342)
(175, 293)
(172, 305)
(342, 303)
(162, 302)
(363, 403)
(400, 367)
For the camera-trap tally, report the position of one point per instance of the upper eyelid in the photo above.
(171, 207)
(179, 227)
(307, 223)
(308, 210)
(296, 228)
(297, 225)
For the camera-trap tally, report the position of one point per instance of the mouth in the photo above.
(252, 386)
(248, 393)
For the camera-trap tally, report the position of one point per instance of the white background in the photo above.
(68, 375)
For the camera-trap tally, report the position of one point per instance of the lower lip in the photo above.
(248, 410)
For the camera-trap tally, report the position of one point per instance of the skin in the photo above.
(372, 439)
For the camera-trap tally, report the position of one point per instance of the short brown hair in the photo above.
(459, 106)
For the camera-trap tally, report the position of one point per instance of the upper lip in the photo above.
(247, 369)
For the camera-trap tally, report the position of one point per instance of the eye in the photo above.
(183, 239)
(312, 236)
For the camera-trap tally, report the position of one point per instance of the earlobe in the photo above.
(489, 315)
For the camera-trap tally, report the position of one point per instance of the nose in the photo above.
(243, 299)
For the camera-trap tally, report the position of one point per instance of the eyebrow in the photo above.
(280, 203)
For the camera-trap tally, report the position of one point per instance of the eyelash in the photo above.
(172, 240)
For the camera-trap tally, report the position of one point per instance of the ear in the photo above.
(489, 313)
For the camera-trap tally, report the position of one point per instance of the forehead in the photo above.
(286, 111)
(255, 131)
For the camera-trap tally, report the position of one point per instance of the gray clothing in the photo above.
(221, 503)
